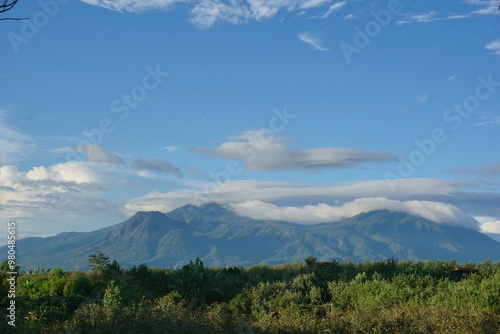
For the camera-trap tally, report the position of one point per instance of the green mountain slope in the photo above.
(220, 237)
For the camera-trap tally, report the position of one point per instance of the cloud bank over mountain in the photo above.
(322, 213)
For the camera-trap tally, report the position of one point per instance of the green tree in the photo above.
(82, 286)
(99, 263)
(112, 297)
(310, 261)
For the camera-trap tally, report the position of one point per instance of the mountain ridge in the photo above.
(220, 237)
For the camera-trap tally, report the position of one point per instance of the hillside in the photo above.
(220, 237)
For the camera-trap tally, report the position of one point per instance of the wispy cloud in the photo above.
(488, 7)
(420, 18)
(94, 153)
(171, 149)
(494, 120)
(134, 6)
(494, 46)
(14, 145)
(259, 152)
(156, 165)
(307, 38)
(492, 170)
(333, 8)
(422, 97)
(206, 13)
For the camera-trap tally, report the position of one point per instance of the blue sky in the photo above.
(305, 110)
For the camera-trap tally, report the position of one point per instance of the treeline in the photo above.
(370, 297)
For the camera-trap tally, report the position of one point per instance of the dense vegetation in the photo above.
(370, 297)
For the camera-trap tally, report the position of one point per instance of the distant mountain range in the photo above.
(220, 237)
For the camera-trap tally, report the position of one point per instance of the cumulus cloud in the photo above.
(206, 13)
(260, 151)
(95, 153)
(307, 38)
(14, 145)
(156, 165)
(56, 198)
(489, 224)
(57, 188)
(322, 213)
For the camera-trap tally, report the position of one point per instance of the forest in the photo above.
(386, 296)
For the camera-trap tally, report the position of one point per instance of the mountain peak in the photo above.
(188, 212)
(218, 236)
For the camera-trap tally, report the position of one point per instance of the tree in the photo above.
(98, 263)
(112, 297)
(6, 5)
(310, 261)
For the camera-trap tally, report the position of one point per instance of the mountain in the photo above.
(220, 237)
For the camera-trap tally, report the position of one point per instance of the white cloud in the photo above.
(239, 191)
(488, 7)
(206, 13)
(489, 120)
(71, 171)
(134, 6)
(171, 149)
(14, 145)
(56, 198)
(420, 18)
(494, 46)
(333, 8)
(323, 213)
(259, 150)
(350, 17)
(312, 3)
(489, 224)
(307, 38)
